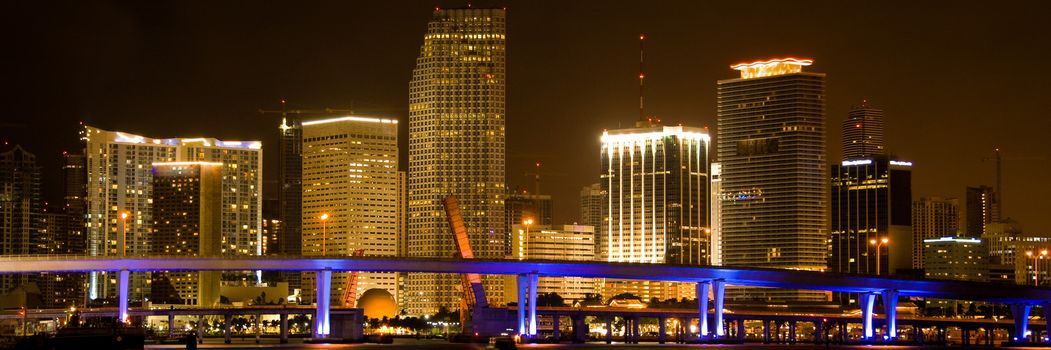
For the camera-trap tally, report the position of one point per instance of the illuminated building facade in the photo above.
(871, 201)
(716, 235)
(457, 146)
(20, 205)
(187, 220)
(350, 196)
(863, 132)
(932, 217)
(520, 206)
(657, 185)
(592, 205)
(956, 258)
(983, 208)
(771, 145)
(563, 243)
(120, 181)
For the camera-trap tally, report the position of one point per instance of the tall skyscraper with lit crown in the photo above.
(771, 144)
(863, 132)
(456, 146)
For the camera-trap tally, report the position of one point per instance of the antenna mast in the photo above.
(642, 77)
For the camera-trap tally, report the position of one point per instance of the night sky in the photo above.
(956, 79)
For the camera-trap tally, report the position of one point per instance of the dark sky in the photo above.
(956, 79)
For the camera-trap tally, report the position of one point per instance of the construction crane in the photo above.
(473, 291)
(350, 294)
(536, 176)
(284, 112)
(999, 159)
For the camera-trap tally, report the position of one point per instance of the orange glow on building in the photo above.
(771, 67)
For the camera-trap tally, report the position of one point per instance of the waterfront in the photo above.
(441, 344)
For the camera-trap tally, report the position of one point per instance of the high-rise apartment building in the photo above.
(187, 220)
(771, 145)
(561, 243)
(956, 258)
(871, 200)
(350, 196)
(456, 146)
(716, 235)
(20, 208)
(863, 132)
(74, 170)
(592, 204)
(119, 214)
(657, 185)
(932, 218)
(290, 197)
(983, 207)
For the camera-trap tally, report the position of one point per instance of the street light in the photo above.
(324, 234)
(124, 231)
(883, 241)
(1036, 265)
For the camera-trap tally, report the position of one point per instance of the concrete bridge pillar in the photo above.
(522, 281)
(719, 292)
(609, 329)
(741, 332)
(890, 310)
(662, 335)
(989, 334)
(284, 328)
(965, 334)
(702, 307)
(227, 336)
(1047, 318)
(867, 301)
(122, 298)
(200, 329)
(534, 281)
(843, 331)
(1020, 312)
(635, 330)
(258, 327)
(580, 329)
(917, 333)
(324, 291)
(766, 331)
(556, 324)
(791, 332)
(171, 324)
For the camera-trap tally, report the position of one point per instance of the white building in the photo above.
(350, 196)
(563, 243)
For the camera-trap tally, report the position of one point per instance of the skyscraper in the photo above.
(871, 201)
(74, 169)
(983, 208)
(120, 188)
(932, 218)
(20, 208)
(456, 145)
(562, 243)
(187, 215)
(290, 198)
(863, 132)
(716, 235)
(771, 145)
(592, 204)
(657, 185)
(350, 196)
(520, 206)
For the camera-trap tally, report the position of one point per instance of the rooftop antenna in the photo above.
(642, 77)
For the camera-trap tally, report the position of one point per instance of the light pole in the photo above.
(882, 241)
(324, 234)
(1036, 265)
(124, 232)
(522, 241)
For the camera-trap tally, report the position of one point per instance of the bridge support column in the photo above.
(917, 333)
(989, 337)
(719, 291)
(635, 330)
(227, 318)
(556, 324)
(702, 308)
(1047, 318)
(258, 327)
(324, 291)
(609, 329)
(284, 328)
(534, 281)
(965, 334)
(122, 301)
(867, 301)
(580, 329)
(766, 331)
(843, 331)
(1020, 312)
(662, 335)
(522, 285)
(890, 310)
(200, 329)
(741, 332)
(791, 332)
(171, 324)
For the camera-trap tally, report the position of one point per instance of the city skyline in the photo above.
(932, 120)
